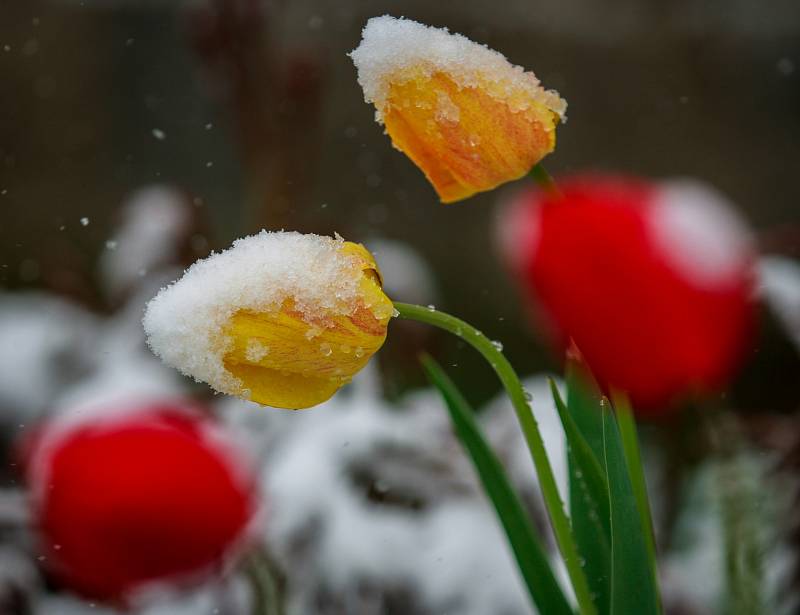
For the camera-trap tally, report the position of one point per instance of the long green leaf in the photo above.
(590, 474)
(633, 582)
(530, 555)
(633, 458)
(562, 528)
(591, 518)
(583, 401)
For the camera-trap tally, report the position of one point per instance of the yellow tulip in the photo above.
(288, 360)
(465, 116)
(282, 319)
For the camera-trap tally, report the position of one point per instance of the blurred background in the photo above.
(252, 108)
(137, 137)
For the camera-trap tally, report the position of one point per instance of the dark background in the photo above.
(264, 125)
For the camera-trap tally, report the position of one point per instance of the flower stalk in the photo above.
(267, 598)
(530, 429)
(545, 181)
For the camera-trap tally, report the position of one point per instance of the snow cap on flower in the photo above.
(137, 496)
(283, 319)
(468, 118)
(652, 281)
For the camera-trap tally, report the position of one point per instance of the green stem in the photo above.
(266, 594)
(545, 181)
(530, 429)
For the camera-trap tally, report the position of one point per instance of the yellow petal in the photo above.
(462, 112)
(288, 360)
(467, 139)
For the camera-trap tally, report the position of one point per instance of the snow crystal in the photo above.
(185, 321)
(256, 351)
(391, 49)
(700, 233)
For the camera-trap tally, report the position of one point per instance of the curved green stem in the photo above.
(530, 429)
(266, 593)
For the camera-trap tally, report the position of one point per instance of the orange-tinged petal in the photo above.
(288, 360)
(468, 118)
(283, 319)
(465, 139)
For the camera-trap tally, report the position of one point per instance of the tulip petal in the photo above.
(288, 360)
(465, 139)
(466, 116)
(282, 319)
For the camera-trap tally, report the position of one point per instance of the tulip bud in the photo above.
(130, 500)
(468, 118)
(282, 319)
(652, 282)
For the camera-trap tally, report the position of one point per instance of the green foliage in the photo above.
(633, 580)
(588, 487)
(614, 533)
(527, 548)
(610, 514)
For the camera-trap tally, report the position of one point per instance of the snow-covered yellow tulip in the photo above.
(282, 319)
(468, 118)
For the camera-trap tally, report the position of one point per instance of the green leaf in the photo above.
(590, 475)
(531, 557)
(583, 401)
(589, 509)
(633, 581)
(633, 458)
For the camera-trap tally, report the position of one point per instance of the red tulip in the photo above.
(652, 282)
(152, 496)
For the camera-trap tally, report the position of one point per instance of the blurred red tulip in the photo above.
(150, 496)
(652, 282)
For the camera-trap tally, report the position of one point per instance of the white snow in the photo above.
(700, 233)
(227, 596)
(185, 321)
(46, 344)
(391, 49)
(154, 218)
(449, 553)
(779, 281)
